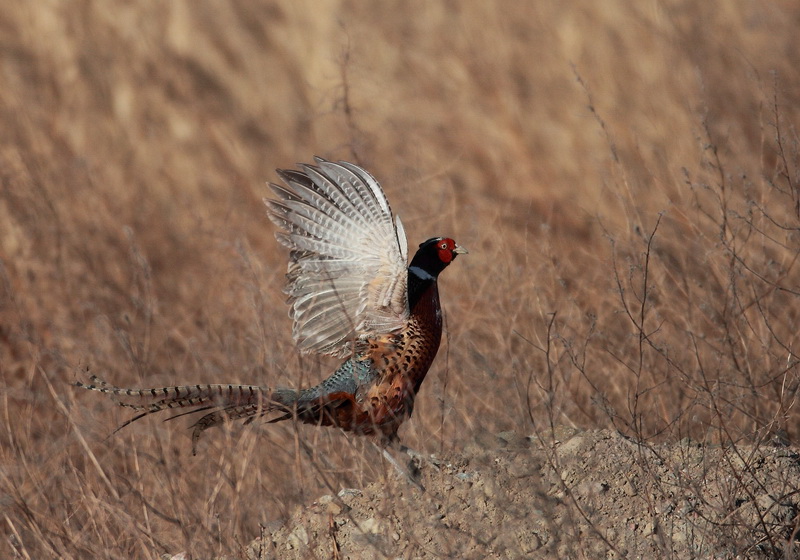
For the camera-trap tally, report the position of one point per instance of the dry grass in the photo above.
(625, 176)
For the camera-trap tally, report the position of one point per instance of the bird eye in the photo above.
(443, 246)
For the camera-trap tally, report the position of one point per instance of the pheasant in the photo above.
(351, 295)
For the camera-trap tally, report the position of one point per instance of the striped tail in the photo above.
(226, 402)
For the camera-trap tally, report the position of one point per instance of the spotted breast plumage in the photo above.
(351, 295)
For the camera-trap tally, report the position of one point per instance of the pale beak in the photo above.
(460, 250)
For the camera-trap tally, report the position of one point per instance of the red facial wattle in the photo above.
(446, 248)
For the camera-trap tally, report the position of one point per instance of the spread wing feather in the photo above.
(347, 275)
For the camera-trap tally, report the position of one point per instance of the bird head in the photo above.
(435, 254)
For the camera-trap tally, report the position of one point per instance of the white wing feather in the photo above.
(347, 267)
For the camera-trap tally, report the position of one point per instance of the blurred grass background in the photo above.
(624, 175)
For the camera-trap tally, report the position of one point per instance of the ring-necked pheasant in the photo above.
(352, 295)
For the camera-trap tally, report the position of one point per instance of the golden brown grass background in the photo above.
(624, 174)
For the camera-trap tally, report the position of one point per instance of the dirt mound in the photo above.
(576, 494)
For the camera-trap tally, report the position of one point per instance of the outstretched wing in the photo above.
(347, 267)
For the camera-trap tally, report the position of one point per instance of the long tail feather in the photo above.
(226, 401)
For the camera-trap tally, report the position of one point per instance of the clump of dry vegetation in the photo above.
(624, 176)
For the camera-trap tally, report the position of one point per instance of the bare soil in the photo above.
(577, 494)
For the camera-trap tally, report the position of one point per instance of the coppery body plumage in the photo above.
(351, 294)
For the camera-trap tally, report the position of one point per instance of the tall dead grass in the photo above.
(625, 177)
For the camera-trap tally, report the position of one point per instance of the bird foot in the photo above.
(416, 458)
(410, 472)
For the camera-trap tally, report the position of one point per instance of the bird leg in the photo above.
(410, 472)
